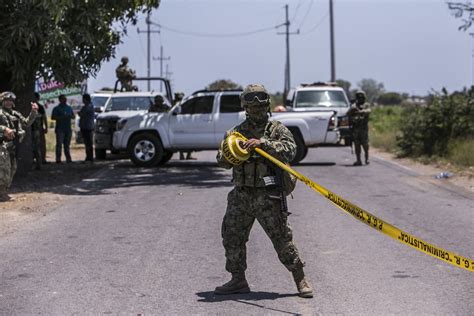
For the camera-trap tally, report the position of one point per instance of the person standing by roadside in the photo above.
(87, 124)
(39, 128)
(359, 119)
(12, 124)
(63, 114)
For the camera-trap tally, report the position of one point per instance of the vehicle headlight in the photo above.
(121, 124)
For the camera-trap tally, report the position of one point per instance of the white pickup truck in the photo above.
(199, 123)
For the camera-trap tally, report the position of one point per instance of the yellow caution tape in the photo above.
(367, 218)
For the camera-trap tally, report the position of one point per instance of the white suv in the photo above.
(321, 96)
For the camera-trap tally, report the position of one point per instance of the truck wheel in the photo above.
(146, 150)
(166, 157)
(100, 154)
(301, 149)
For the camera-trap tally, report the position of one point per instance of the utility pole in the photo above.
(148, 31)
(168, 75)
(472, 60)
(161, 58)
(287, 62)
(331, 29)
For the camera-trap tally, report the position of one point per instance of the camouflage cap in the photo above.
(159, 98)
(254, 89)
(360, 92)
(7, 95)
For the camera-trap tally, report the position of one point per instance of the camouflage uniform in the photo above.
(251, 199)
(359, 117)
(125, 75)
(15, 121)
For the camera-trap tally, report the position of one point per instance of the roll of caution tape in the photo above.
(369, 219)
(232, 149)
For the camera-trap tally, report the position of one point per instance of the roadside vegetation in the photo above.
(440, 131)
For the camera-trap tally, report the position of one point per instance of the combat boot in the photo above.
(238, 284)
(304, 288)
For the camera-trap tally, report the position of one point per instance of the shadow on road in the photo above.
(105, 176)
(210, 297)
(316, 164)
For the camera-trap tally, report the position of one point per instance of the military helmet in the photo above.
(159, 98)
(254, 94)
(360, 92)
(7, 95)
(124, 59)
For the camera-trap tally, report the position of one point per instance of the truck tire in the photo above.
(301, 149)
(146, 150)
(166, 157)
(100, 154)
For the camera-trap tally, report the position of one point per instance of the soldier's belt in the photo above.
(235, 154)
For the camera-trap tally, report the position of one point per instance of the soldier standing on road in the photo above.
(86, 124)
(38, 130)
(252, 198)
(178, 96)
(159, 105)
(359, 117)
(125, 75)
(63, 114)
(12, 124)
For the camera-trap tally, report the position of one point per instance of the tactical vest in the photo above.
(252, 171)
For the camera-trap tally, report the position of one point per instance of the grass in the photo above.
(384, 127)
(461, 152)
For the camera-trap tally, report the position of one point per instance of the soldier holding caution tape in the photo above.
(259, 193)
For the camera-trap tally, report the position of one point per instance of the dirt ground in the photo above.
(38, 193)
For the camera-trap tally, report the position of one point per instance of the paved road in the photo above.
(148, 241)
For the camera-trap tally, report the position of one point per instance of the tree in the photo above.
(390, 98)
(372, 88)
(67, 40)
(344, 84)
(460, 9)
(223, 84)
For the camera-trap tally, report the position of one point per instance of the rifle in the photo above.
(277, 182)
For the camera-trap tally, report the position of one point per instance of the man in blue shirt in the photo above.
(63, 115)
(86, 124)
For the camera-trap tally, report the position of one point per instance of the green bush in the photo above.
(429, 130)
(384, 126)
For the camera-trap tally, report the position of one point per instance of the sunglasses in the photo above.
(261, 96)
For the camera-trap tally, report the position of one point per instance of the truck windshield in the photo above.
(99, 101)
(321, 99)
(129, 104)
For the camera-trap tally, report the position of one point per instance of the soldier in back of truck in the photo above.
(125, 75)
(359, 121)
(12, 132)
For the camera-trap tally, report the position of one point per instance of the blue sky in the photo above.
(411, 46)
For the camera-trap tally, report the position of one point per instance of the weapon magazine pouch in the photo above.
(288, 181)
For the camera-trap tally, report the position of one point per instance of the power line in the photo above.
(306, 14)
(317, 25)
(296, 11)
(198, 34)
